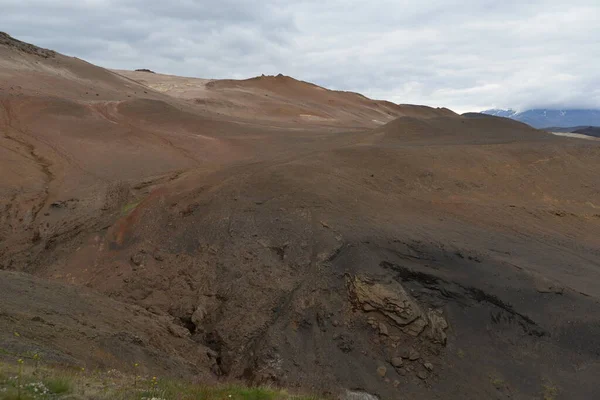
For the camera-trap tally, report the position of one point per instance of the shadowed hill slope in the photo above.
(590, 131)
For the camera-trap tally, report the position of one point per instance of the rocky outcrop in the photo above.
(392, 301)
(354, 395)
(7, 40)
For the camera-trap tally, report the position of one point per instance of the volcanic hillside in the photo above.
(188, 226)
(282, 99)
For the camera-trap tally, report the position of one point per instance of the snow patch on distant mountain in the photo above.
(501, 113)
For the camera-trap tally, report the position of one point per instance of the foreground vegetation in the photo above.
(29, 380)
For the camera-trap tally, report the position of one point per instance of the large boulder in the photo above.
(391, 300)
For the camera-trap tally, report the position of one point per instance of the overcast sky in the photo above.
(467, 55)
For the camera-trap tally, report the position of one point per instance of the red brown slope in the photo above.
(278, 266)
(29, 70)
(74, 326)
(76, 134)
(283, 99)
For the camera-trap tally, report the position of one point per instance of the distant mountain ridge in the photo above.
(542, 118)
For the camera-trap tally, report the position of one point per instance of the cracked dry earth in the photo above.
(433, 256)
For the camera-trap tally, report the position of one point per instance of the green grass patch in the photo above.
(168, 389)
(128, 208)
(43, 382)
(13, 394)
(58, 385)
(254, 394)
(549, 390)
(497, 381)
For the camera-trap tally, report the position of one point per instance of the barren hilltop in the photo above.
(271, 231)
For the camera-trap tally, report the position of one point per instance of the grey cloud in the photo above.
(467, 54)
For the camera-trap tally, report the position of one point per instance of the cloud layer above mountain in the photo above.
(464, 54)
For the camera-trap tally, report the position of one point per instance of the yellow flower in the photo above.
(17, 334)
(20, 361)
